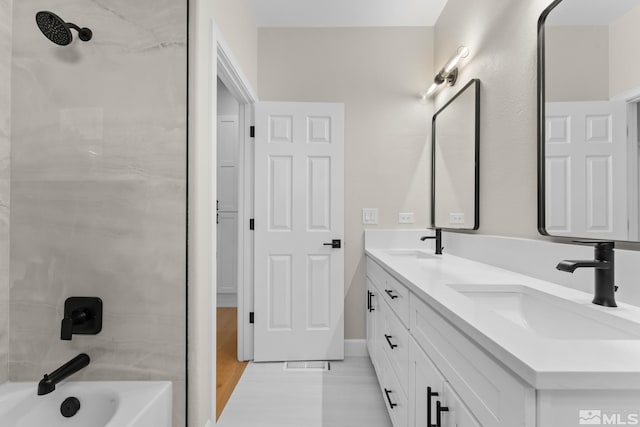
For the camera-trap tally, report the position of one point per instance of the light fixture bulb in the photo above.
(462, 52)
(427, 93)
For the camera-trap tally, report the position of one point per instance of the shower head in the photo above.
(55, 29)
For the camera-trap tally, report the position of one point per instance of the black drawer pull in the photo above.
(440, 409)
(429, 395)
(390, 293)
(387, 393)
(369, 303)
(388, 337)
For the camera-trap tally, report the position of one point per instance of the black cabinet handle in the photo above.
(390, 293)
(440, 409)
(429, 395)
(388, 337)
(369, 303)
(387, 393)
(335, 244)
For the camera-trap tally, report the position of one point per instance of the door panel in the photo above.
(586, 169)
(227, 205)
(299, 208)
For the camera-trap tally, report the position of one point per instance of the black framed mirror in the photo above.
(588, 120)
(455, 161)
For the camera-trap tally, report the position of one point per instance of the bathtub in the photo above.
(102, 404)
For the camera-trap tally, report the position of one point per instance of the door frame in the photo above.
(230, 73)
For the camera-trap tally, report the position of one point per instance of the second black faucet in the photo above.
(437, 238)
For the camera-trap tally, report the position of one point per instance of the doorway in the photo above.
(228, 367)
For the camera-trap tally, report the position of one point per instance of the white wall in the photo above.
(624, 61)
(577, 63)
(502, 39)
(237, 23)
(376, 73)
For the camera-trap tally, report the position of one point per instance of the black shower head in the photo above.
(55, 29)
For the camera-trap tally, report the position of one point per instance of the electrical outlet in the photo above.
(370, 216)
(406, 218)
(456, 218)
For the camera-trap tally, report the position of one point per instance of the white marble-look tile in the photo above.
(111, 108)
(5, 134)
(348, 396)
(98, 181)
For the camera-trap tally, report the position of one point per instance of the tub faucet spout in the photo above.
(48, 383)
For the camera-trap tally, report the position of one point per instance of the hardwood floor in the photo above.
(228, 369)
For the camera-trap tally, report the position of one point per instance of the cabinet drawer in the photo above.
(397, 296)
(494, 397)
(375, 273)
(394, 340)
(392, 393)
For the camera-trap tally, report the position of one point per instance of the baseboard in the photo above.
(356, 348)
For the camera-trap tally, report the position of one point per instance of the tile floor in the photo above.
(345, 396)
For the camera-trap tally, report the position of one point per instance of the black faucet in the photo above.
(48, 383)
(438, 239)
(603, 264)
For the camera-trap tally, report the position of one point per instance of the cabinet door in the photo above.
(457, 414)
(372, 311)
(425, 388)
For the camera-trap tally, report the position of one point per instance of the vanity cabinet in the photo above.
(424, 363)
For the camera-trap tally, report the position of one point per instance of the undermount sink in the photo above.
(549, 316)
(409, 253)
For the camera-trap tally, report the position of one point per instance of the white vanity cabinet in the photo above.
(422, 359)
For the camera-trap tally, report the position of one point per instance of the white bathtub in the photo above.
(102, 404)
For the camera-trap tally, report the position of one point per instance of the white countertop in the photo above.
(543, 363)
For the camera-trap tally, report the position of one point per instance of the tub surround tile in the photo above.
(5, 134)
(99, 190)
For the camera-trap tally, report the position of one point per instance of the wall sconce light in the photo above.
(448, 74)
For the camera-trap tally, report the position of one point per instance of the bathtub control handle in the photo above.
(82, 315)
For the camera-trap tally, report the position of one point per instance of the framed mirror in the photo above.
(588, 120)
(455, 161)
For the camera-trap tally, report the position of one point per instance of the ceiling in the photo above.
(347, 13)
(590, 12)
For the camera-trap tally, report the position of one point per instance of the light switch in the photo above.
(369, 216)
(406, 218)
(456, 218)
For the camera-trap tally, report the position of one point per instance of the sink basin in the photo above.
(549, 316)
(410, 253)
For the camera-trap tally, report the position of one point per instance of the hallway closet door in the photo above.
(227, 209)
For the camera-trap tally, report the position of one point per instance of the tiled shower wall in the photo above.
(5, 131)
(98, 188)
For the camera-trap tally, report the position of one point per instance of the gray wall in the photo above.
(99, 190)
(377, 73)
(577, 63)
(502, 39)
(5, 132)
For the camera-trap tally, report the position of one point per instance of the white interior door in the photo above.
(586, 164)
(299, 209)
(227, 207)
